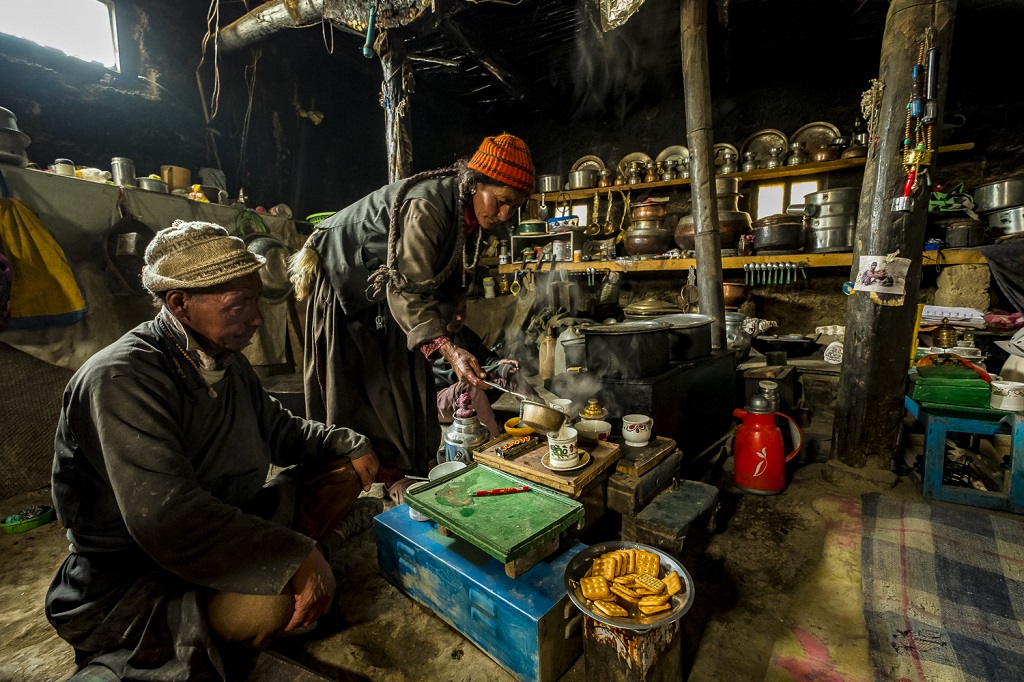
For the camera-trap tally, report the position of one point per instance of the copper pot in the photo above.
(649, 212)
(647, 242)
(735, 294)
(825, 154)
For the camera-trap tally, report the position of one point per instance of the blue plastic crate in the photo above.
(528, 625)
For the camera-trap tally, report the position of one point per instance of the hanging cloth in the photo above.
(44, 292)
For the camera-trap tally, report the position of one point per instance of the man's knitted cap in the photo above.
(196, 255)
(505, 158)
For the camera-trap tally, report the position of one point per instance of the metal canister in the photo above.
(561, 250)
(122, 171)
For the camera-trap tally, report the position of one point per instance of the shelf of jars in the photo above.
(810, 260)
(811, 168)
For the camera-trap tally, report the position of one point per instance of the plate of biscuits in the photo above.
(629, 585)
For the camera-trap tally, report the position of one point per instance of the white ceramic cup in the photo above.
(1007, 395)
(636, 429)
(563, 405)
(562, 452)
(413, 514)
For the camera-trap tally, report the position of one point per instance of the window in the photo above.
(83, 29)
(774, 198)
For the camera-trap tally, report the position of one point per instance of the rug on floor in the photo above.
(943, 591)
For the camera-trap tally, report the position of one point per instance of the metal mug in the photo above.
(122, 171)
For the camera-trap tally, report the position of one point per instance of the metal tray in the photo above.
(580, 564)
(815, 135)
(676, 152)
(623, 166)
(762, 141)
(588, 163)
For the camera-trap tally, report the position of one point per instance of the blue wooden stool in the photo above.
(938, 420)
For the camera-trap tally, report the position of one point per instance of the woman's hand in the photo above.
(465, 365)
(366, 466)
(313, 585)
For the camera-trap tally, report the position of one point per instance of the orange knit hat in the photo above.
(505, 158)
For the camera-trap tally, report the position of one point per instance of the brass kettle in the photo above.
(945, 335)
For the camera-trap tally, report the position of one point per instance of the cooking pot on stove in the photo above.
(627, 350)
(689, 336)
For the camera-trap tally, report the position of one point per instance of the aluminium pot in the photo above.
(152, 184)
(627, 350)
(550, 183)
(965, 233)
(584, 178)
(836, 195)
(829, 239)
(999, 195)
(1009, 221)
(830, 209)
(690, 335)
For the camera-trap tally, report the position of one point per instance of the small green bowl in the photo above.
(28, 524)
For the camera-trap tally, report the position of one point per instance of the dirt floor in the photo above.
(746, 577)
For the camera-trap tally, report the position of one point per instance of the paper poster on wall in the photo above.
(882, 275)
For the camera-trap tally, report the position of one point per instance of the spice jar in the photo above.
(503, 285)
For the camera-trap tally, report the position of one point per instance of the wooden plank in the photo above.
(811, 260)
(516, 567)
(529, 466)
(638, 461)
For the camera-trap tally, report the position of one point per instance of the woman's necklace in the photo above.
(195, 365)
(468, 266)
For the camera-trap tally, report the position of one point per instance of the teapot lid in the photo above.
(593, 410)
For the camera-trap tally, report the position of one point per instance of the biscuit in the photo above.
(649, 610)
(672, 583)
(624, 592)
(648, 563)
(626, 580)
(657, 600)
(610, 609)
(650, 582)
(594, 588)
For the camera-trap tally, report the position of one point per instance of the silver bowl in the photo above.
(580, 564)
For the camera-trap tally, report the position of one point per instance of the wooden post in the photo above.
(693, 27)
(869, 409)
(394, 98)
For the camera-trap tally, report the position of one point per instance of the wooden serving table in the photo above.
(586, 484)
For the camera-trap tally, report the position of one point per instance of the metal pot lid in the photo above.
(686, 320)
(623, 328)
(651, 306)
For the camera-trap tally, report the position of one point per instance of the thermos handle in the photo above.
(800, 433)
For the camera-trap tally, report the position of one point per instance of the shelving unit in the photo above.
(811, 260)
(760, 174)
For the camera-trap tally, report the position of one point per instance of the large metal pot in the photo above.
(830, 209)
(583, 178)
(836, 195)
(995, 196)
(690, 335)
(779, 236)
(649, 212)
(647, 241)
(735, 293)
(627, 350)
(550, 183)
(276, 283)
(731, 224)
(1010, 221)
(829, 235)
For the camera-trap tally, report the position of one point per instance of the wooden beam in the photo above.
(869, 409)
(395, 91)
(693, 27)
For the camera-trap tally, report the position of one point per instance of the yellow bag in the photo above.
(44, 292)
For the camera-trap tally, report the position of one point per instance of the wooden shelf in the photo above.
(811, 260)
(760, 174)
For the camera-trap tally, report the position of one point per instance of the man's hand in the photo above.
(465, 365)
(313, 586)
(366, 466)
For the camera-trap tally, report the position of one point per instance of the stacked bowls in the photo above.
(12, 140)
(1001, 205)
(830, 218)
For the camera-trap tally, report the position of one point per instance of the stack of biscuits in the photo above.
(632, 576)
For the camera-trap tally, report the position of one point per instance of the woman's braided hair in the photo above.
(387, 275)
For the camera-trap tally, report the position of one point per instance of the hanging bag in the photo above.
(44, 292)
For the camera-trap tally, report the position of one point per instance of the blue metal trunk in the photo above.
(527, 625)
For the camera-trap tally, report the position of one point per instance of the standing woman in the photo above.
(375, 273)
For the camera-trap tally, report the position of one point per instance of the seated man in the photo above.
(178, 548)
(501, 371)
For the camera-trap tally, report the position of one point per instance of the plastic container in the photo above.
(314, 219)
(21, 526)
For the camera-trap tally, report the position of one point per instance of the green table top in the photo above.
(505, 526)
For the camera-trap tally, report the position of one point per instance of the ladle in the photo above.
(520, 396)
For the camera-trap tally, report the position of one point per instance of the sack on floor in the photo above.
(43, 291)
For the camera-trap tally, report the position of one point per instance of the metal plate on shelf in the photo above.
(623, 166)
(588, 163)
(676, 152)
(762, 141)
(815, 135)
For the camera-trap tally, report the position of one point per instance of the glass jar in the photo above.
(489, 291)
(503, 285)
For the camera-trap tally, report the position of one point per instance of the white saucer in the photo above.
(584, 461)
